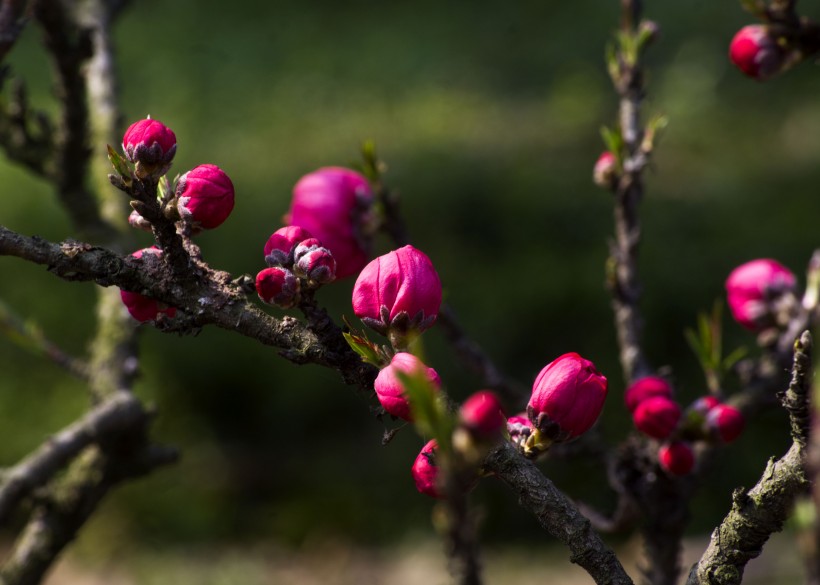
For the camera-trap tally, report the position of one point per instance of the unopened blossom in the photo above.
(205, 196)
(151, 145)
(725, 422)
(313, 262)
(281, 244)
(657, 417)
(755, 51)
(644, 388)
(389, 388)
(482, 415)
(425, 471)
(278, 286)
(752, 287)
(567, 397)
(139, 306)
(399, 291)
(677, 458)
(335, 205)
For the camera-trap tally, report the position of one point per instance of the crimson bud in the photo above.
(725, 422)
(644, 388)
(313, 262)
(280, 245)
(205, 196)
(482, 415)
(605, 172)
(278, 286)
(657, 417)
(425, 470)
(389, 388)
(752, 286)
(151, 145)
(676, 458)
(755, 51)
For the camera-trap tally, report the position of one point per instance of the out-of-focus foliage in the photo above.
(488, 115)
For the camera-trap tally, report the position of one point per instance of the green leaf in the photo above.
(119, 163)
(613, 140)
(366, 349)
(430, 413)
(613, 65)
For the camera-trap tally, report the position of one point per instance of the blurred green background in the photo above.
(488, 114)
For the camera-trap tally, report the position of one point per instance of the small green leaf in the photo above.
(614, 141)
(430, 413)
(613, 65)
(119, 163)
(366, 349)
(166, 191)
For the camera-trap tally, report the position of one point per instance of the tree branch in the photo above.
(557, 514)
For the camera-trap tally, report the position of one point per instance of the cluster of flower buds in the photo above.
(755, 50)
(295, 260)
(204, 196)
(654, 411)
(708, 418)
(398, 294)
(761, 294)
(336, 206)
(390, 390)
(567, 397)
(605, 171)
(139, 306)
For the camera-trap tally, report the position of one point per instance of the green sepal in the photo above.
(119, 163)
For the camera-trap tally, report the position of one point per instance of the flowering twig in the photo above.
(761, 511)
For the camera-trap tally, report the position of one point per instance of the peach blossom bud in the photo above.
(657, 417)
(644, 388)
(605, 172)
(151, 145)
(335, 205)
(676, 458)
(389, 389)
(278, 286)
(752, 286)
(313, 262)
(520, 428)
(205, 196)
(400, 291)
(425, 470)
(281, 244)
(725, 422)
(482, 415)
(136, 221)
(140, 307)
(755, 51)
(567, 397)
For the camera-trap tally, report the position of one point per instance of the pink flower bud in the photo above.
(482, 415)
(335, 205)
(567, 397)
(676, 458)
(605, 172)
(278, 286)
(206, 196)
(140, 307)
(313, 262)
(645, 388)
(151, 145)
(425, 470)
(725, 422)
(280, 245)
(657, 417)
(389, 389)
(750, 288)
(755, 51)
(400, 290)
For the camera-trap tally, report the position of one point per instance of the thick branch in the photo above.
(208, 298)
(558, 515)
(118, 415)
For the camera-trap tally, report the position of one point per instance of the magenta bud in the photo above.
(657, 417)
(425, 470)
(644, 388)
(390, 390)
(755, 51)
(281, 244)
(399, 291)
(676, 458)
(725, 422)
(314, 263)
(567, 397)
(482, 415)
(135, 220)
(751, 287)
(140, 307)
(278, 286)
(205, 196)
(151, 145)
(335, 205)
(605, 171)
